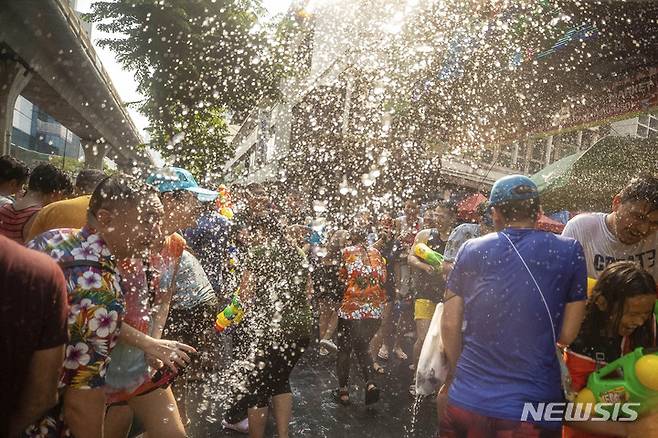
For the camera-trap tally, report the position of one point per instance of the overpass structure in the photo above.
(47, 57)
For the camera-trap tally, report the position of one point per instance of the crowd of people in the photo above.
(111, 286)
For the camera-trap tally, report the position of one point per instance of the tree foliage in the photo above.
(195, 61)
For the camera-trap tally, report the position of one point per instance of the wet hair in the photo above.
(644, 188)
(119, 189)
(88, 179)
(13, 169)
(618, 282)
(47, 179)
(519, 210)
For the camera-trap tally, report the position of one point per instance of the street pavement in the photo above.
(317, 414)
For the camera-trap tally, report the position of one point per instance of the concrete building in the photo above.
(35, 130)
(47, 57)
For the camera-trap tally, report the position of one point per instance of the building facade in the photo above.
(34, 130)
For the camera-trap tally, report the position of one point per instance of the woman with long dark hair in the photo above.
(618, 320)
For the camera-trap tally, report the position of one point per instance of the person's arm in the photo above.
(40, 389)
(574, 313)
(170, 353)
(161, 314)
(574, 310)
(451, 329)
(413, 260)
(163, 303)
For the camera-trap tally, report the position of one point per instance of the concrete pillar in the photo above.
(13, 79)
(530, 144)
(549, 150)
(94, 154)
(515, 153)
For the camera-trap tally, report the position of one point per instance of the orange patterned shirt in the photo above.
(364, 270)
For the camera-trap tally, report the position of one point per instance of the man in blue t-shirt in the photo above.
(512, 316)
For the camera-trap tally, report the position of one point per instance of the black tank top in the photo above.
(426, 286)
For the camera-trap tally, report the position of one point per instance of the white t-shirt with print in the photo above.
(602, 247)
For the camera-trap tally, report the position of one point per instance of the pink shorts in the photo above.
(460, 423)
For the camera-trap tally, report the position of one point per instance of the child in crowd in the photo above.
(618, 320)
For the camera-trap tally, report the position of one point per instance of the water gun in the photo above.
(639, 383)
(590, 286)
(231, 315)
(429, 256)
(224, 203)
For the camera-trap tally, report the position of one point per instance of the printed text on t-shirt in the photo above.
(646, 259)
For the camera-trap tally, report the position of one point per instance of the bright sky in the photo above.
(124, 81)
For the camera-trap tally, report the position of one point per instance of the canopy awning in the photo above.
(587, 181)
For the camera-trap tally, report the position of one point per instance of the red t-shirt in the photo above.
(33, 313)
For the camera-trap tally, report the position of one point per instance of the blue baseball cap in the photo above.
(169, 179)
(513, 188)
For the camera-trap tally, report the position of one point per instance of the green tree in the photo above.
(195, 61)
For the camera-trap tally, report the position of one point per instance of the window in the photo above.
(22, 122)
(647, 126)
(23, 115)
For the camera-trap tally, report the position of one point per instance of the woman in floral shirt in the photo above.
(364, 271)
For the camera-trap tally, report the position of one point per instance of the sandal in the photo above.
(400, 353)
(378, 368)
(383, 353)
(342, 396)
(372, 394)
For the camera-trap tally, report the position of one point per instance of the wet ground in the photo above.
(316, 414)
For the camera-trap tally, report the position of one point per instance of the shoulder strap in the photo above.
(541, 294)
(564, 371)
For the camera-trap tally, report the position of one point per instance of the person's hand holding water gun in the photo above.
(433, 260)
(224, 203)
(231, 315)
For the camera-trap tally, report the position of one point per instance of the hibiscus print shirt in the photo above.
(95, 300)
(364, 270)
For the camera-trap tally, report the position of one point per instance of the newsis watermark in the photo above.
(569, 411)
